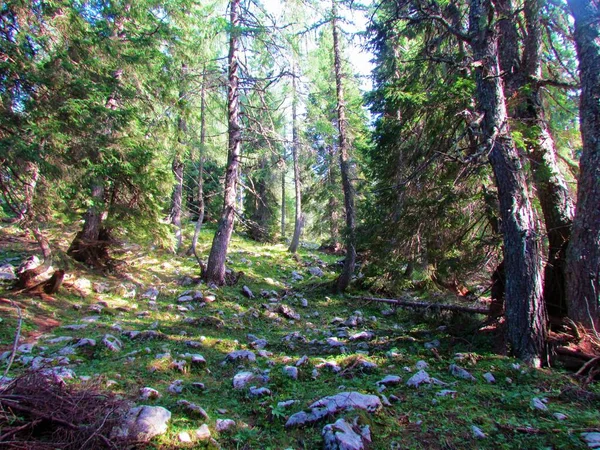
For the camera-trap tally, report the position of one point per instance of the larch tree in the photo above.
(583, 256)
(215, 268)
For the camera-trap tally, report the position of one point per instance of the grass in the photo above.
(421, 419)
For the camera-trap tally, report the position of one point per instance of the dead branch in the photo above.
(426, 305)
(17, 337)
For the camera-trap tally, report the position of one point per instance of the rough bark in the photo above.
(283, 170)
(521, 73)
(525, 313)
(583, 255)
(215, 268)
(332, 204)
(299, 218)
(177, 199)
(345, 165)
(200, 181)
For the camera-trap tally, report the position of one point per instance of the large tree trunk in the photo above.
(345, 165)
(215, 268)
(332, 204)
(525, 313)
(299, 222)
(583, 256)
(521, 86)
(198, 226)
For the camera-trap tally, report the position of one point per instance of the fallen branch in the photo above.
(16, 341)
(426, 305)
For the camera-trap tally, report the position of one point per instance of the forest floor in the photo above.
(286, 313)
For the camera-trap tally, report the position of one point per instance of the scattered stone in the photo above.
(333, 405)
(287, 312)
(193, 408)
(353, 321)
(291, 371)
(85, 342)
(419, 378)
(302, 361)
(333, 366)
(460, 372)
(25, 348)
(334, 342)
(59, 340)
(241, 355)
(193, 344)
(433, 344)
(112, 343)
(591, 439)
(185, 299)
(198, 385)
(296, 276)
(421, 365)
(247, 292)
(209, 298)
(296, 336)
(223, 425)
(477, 432)
(560, 416)
(151, 294)
(142, 423)
(184, 437)
(259, 344)
(538, 404)
(286, 404)
(58, 374)
(66, 351)
(148, 393)
(362, 336)
(198, 359)
(101, 288)
(7, 272)
(390, 380)
(242, 379)
(259, 391)
(447, 393)
(342, 435)
(203, 433)
(179, 365)
(146, 334)
(316, 272)
(489, 377)
(176, 387)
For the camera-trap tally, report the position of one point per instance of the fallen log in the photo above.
(426, 305)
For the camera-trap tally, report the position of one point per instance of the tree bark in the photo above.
(198, 226)
(177, 199)
(525, 313)
(345, 165)
(520, 75)
(215, 268)
(583, 255)
(299, 219)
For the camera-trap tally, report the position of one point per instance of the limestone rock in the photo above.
(538, 404)
(241, 355)
(203, 433)
(591, 439)
(193, 408)
(291, 371)
(362, 336)
(333, 405)
(419, 378)
(142, 423)
(342, 435)
(148, 393)
(112, 343)
(390, 380)
(247, 292)
(459, 372)
(223, 425)
(287, 312)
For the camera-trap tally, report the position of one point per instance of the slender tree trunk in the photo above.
(299, 219)
(215, 269)
(177, 199)
(521, 75)
(283, 170)
(198, 226)
(332, 204)
(525, 313)
(345, 165)
(583, 255)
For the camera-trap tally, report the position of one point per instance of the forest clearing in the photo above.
(221, 227)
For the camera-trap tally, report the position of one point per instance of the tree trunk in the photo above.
(299, 222)
(177, 199)
(345, 166)
(583, 255)
(283, 169)
(198, 226)
(215, 269)
(552, 191)
(525, 313)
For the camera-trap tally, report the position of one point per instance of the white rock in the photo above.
(460, 372)
(538, 404)
(419, 378)
(176, 387)
(591, 439)
(112, 343)
(560, 416)
(421, 365)
(390, 380)
(344, 436)
(7, 272)
(489, 377)
(147, 393)
(185, 437)
(203, 433)
(242, 379)
(224, 425)
(142, 423)
(477, 432)
(291, 371)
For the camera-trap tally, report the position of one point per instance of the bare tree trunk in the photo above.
(583, 255)
(345, 166)
(198, 226)
(283, 170)
(521, 75)
(525, 313)
(177, 199)
(215, 269)
(332, 204)
(299, 222)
